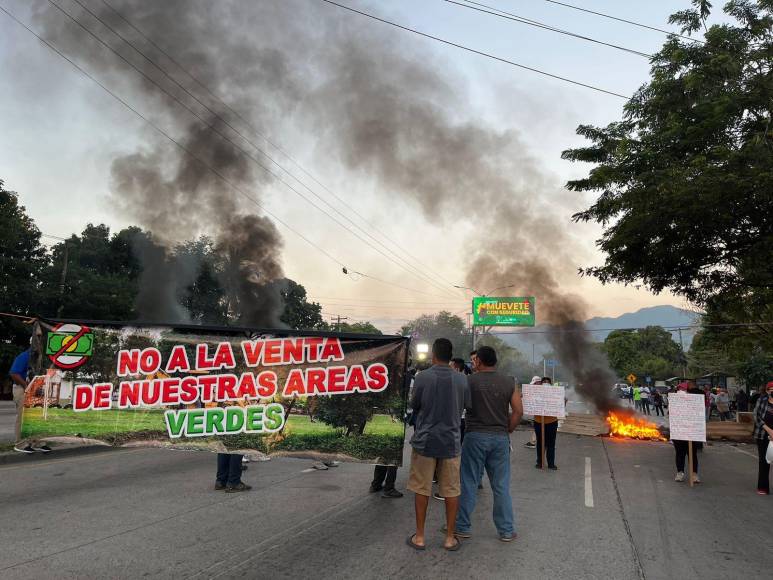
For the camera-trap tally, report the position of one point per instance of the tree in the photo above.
(510, 360)
(428, 327)
(648, 351)
(686, 176)
(101, 276)
(360, 328)
(205, 298)
(22, 257)
(299, 313)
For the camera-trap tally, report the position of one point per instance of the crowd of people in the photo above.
(462, 419)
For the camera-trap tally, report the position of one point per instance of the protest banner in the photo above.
(687, 421)
(220, 389)
(544, 400)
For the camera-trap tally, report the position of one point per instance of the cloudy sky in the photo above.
(61, 134)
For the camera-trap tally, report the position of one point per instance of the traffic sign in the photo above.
(69, 345)
(631, 378)
(648, 379)
(551, 362)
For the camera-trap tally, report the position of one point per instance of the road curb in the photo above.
(14, 457)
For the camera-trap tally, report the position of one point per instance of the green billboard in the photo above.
(498, 311)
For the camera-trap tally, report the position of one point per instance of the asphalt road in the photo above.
(150, 513)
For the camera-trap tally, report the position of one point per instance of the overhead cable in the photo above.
(486, 9)
(475, 51)
(182, 147)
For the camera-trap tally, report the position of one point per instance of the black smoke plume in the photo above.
(375, 101)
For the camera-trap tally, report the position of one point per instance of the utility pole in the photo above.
(681, 346)
(62, 280)
(338, 319)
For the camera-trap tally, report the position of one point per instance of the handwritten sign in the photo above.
(543, 400)
(687, 417)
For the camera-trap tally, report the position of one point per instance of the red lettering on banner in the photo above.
(356, 381)
(170, 391)
(224, 356)
(151, 393)
(128, 362)
(314, 343)
(247, 386)
(294, 385)
(83, 396)
(150, 360)
(272, 352)
(226, 388)
(336, 380)
(178, 360)
(331, 350)
(129, 394)
(378, 377)
(253, 352)
(207, 382)
(102, 392)
(294, 351)
(189, 390)
(316, 380)
(267, 384)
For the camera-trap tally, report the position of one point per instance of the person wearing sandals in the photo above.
(763, 434)
(439, 395)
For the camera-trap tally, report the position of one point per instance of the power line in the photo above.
(475, 51)
(516, 18)
(270, 142)
(631, 22)
(559, 330)
(193, 156)
(210, 126)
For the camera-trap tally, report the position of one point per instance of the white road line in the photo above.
(588, 484)
(746, 452)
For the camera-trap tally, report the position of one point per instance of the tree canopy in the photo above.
(649, 351)
(685, 177)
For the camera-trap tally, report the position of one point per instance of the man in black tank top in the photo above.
(496, 410)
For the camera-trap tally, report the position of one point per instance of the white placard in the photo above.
(543, 400)
(687, 417)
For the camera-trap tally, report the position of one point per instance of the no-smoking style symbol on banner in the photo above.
(69, 345)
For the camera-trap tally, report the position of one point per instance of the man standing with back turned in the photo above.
(439, 395)
(496, 411)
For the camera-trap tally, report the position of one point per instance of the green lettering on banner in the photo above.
(215, 421)
(175, 421)
(274, 417)
(195, 422)
(234, 419)
(254, 419)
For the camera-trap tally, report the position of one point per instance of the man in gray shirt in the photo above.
(439, 396)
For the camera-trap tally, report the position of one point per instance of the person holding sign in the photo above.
(763, 435)
(551, 429)
(496, 411)
(687, 427)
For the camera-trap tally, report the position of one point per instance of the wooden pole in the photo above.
(690, 460)
(542, 455)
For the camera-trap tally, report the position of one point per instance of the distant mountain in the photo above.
(532, 343)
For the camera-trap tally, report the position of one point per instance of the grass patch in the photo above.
(109, 425)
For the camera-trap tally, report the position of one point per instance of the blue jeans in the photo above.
(492, 452)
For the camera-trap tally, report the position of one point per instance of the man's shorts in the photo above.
(423, 472)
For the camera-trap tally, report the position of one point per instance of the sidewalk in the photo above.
(7, 421)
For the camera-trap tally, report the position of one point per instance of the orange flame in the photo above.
(622, 426)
